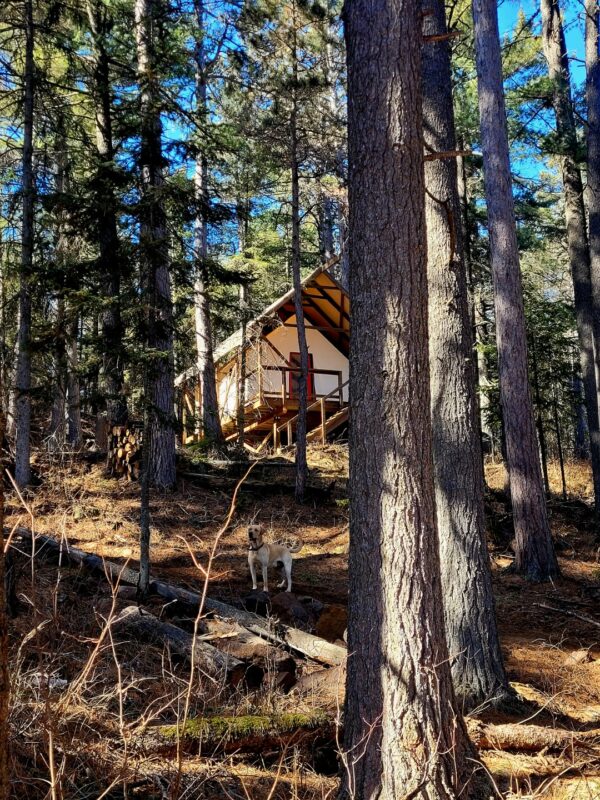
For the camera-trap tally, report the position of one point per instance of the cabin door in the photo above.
(295, 376)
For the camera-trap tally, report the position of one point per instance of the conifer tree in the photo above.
(534, 554)
(471, 631)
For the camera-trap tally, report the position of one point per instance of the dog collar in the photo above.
(255, 549)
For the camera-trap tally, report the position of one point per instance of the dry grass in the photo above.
(81, 700)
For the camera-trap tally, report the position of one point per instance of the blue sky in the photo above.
(574, 23)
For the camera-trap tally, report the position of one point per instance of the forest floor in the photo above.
(83, 701)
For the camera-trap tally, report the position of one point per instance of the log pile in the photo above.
(124, 456)
(265, 645)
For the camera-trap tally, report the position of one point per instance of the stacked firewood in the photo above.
(125, 451)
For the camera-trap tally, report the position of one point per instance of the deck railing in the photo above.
(265, 391)
(285, 371)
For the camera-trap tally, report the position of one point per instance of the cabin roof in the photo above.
(326, 307)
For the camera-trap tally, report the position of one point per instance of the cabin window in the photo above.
(295, 376)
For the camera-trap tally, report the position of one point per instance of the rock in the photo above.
(313, 606)
(332, 623)
(257, 601)
(288, 608)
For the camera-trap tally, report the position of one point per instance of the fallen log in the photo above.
(235, 640)
(306, 643)
(281, 635)
(326, 686)
(568, 613)
(248, 733)
(529, 738)
(145, 627)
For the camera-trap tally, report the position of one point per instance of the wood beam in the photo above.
(326, 296)
(329, 321)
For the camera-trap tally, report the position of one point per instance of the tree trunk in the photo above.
(581, 435)
(471, 632)
(210, 422)
(5, 783)
(588, 328)
(110, 262)
(241, 381)
(326, 222)
(478, 311)
(74, 434)
(561, 459)
(301, 464)
(534, 552)
(592, 63)
(160, 440)
(57, 432)
(404, 736)
(23, 368)
(4, 360)
(539, 419)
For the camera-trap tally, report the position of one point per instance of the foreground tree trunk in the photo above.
(592, 64)
(23, 368)
(301, 463)
(587, 308)
(210, 420)
(534, 552)
(110, 260)
(471, 632)
(5, 783)
(403, 735)
(160, 437)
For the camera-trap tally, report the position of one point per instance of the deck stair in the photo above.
(331, 423)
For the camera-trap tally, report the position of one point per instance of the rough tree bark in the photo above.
(58, 428)
(580, 433)
(539, 417)
(5, 783)
(592, 85)
(242, 213)
(210, 422)
(241, 365)
(588, 327)
(110, 261)
(471, 632)
(403, 735)
(23, 367)
(301, 464)
(534, 552)
(160, 437)
(74, 434)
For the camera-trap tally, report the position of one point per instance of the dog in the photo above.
(268, 555)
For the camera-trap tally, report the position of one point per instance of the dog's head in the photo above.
(255, 535)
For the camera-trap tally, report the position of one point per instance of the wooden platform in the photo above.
(270, 422)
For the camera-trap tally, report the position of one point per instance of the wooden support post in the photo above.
(275, 437)
(340, 389)
(289, 434)
(260, 382)
(323, 427)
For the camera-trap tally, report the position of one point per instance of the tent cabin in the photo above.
(270, 362)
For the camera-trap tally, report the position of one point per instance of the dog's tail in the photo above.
(296, 548)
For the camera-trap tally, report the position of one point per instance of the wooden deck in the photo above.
(270, 417)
